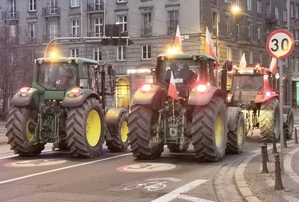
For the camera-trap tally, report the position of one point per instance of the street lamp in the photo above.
(234, 9)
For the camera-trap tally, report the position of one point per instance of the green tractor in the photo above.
(66, 106)
(199, 116)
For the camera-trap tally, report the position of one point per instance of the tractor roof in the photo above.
(187, 56)
(66, 59)
(251, 70)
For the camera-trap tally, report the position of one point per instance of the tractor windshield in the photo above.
(182, 70)
(57, 76)
(247, 82)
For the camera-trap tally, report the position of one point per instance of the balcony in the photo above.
(271, 19)
(10, 15)
(31, 40)
(95, 7)
(51, 12)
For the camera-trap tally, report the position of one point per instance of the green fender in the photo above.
(153, 97)
(203, 98)
(74, 101)
(31, 98)
(232, 114)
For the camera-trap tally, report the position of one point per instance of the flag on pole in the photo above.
(172, 91)
(178, 40)
(243, 61)
(273, 65)
(209, 48)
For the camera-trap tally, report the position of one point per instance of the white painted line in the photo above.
(63, 168)
(176, 193)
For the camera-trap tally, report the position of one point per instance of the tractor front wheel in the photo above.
(21, 124)
(85, 129)
(236, 138)
(289, 124)
(210, 136)
(141, 119)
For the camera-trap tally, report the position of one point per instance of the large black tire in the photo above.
(269, 121)
(209, 130)
(85, 129)
(119, 140)
(141, 119)
(236, 138)
(289, 124)
(21, 123)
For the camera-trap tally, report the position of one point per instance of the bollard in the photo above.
(278, 181)
(266, 150)
(264, 159)
(274, 149)
(284, 140)
(296, 138)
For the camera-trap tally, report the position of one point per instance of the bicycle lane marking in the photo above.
(180, 193)
(146, 167)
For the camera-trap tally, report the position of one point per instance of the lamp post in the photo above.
(234, 9)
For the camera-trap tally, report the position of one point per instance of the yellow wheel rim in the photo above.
(124, 131)
(30, 129)
(240, 133)
(93, 128)
(219, 128)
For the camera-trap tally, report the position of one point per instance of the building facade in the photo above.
(130, 33)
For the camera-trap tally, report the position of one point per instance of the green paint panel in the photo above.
(54, 95)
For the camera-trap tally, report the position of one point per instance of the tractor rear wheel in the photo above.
(21, 124)
(85, 129)
(289, 125)
(209, 138)
(141, 120)
(236, 138)
(119, 140)
(269, 120)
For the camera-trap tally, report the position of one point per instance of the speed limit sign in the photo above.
(280, 44)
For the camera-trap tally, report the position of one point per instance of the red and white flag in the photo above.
(209, 48)
(243, 62)
(172, 91)
(178, 40)
(273, 65)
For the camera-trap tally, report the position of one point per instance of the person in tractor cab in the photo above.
(251, 83)
(66, 78)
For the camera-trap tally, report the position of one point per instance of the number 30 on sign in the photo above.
(280, 44)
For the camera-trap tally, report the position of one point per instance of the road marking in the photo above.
(63, 168)
(35, 162)
(182, 190)
(146, 167)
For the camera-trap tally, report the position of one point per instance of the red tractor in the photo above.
(255, 90)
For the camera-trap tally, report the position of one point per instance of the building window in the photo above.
(284, 15)
(297, 11)
(173, 22)
(12, 8)
(97, 54)
(249, 30)
(53, 6)
(147, 24)
(74, 3)
(146, 52)
(259, 27)
(74, 52)
(214, 22)
(249, 5)
(53, 29)
(122, 21)
(121, 53)
(226, 1)
(261, 57)
(251, 57)
(238, 31)
(229, 53)
(259, 6)
(292, 10)
(32, 5)
(276, 10)
(75, 28)
(31, 30)
(98, 27)
(296, 37)
(227, 25)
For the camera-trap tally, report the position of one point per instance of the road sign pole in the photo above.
(281, 116)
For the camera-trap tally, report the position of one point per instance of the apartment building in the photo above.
(130, 33)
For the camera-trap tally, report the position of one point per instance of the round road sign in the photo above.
(280, 44)
(36, 162)
(146, 167)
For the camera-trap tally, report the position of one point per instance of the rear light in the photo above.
(201, 88)
(76, 91)
(24, 90)
(146, 87)
(268, 94)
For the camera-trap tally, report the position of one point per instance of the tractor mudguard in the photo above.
(203, 98)
(30, 98)
(152, 97)
(112, 118)
(285, 109)
(263, 98)
(232, 117)
(71, 100)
